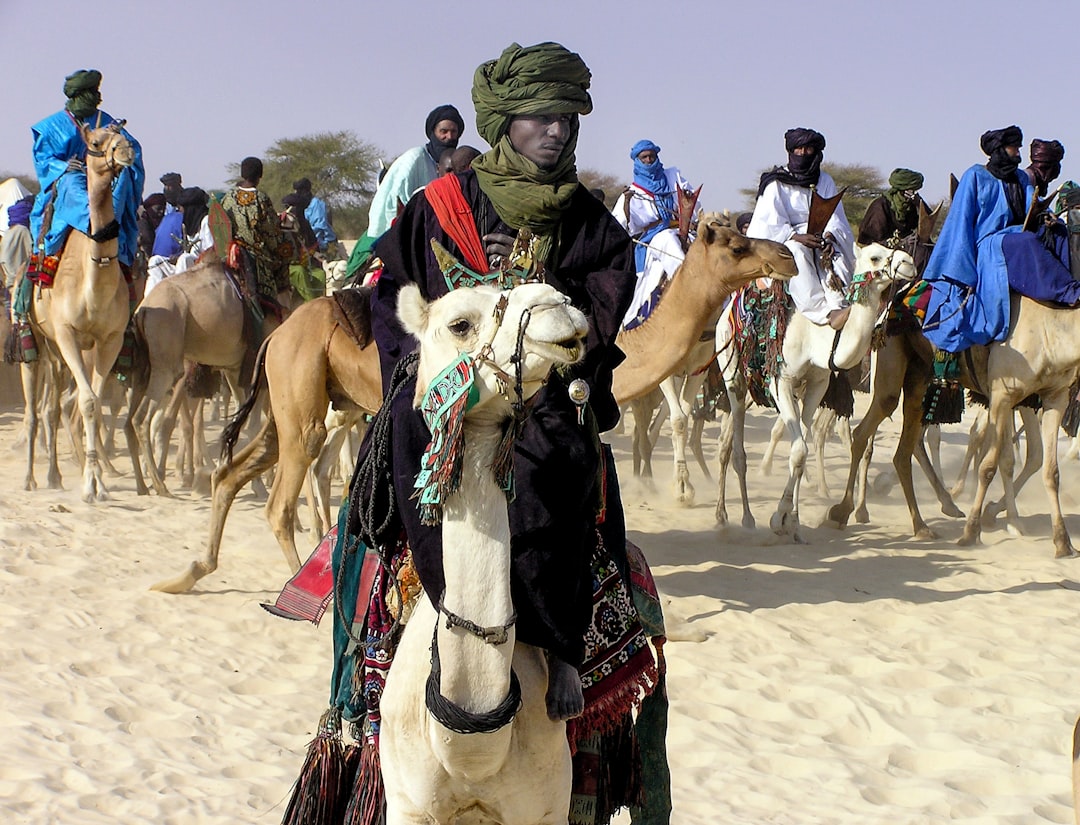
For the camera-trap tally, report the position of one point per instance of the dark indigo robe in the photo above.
(557, 461)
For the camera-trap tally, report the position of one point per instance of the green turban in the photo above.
(906, 180)
(546, 79)
(81, 90)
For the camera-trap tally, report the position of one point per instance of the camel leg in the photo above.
(775, 435)
(723, 460)
(228, 479)
(30, 374)
(643, 445)
(785, 521)
(931, 439)
(1000, 417)
(733, 433)
(974, 452)
(881, 407)
(1033, 457)
(930, 470)
(697, 430)
(1006, 466)
(1053, 410)
(862, 514)
(299, 447)
(915, 384)
(682, 489)
(131, 436)
(824, 421)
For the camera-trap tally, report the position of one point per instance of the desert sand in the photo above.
(863, 677)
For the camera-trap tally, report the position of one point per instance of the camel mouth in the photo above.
(566, 352)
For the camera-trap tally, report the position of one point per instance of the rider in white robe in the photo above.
(781, 214)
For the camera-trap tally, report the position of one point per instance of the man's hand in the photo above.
(497, 246)
(76, 165)
(809, 241)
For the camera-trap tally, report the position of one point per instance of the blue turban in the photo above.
(651, 177)
(19, 212)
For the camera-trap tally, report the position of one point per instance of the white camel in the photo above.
(515, 771)
(810, 353)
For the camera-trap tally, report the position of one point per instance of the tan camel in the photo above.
(83, 316)
(195, 316)
(314, 350)
(668, 349)
(466, 735)
(316, 356)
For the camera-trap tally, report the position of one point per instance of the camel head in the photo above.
(877, 266)
(532, 327)
(739, 259)
(107, 148)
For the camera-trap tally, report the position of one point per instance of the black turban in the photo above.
(302, 185)
(196, 205)
(170, 178)
(1000, 138)
(545, 79)
(441, 113)
(794, 138)
(1047, 151)
(251, 169)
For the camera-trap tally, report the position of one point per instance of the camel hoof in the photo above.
(798, 539)
(924, 533)
(969, 539)
(862, 516)
(838, 515)
(748, 522)
(721, 517)
(30, 485)
(951, 510)
(1065, 552)
(184, 582)
(1014, 530)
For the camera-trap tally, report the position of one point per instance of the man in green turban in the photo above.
(893, 217)
(528, 102)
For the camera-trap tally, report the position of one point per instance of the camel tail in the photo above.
(231, 434)
(140, 356)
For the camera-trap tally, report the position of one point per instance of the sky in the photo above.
(913, 83)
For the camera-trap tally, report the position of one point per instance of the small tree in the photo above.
(342, 169)
(612, 185)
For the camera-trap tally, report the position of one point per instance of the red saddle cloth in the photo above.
(42, 269)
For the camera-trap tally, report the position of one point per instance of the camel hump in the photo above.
(352, 310)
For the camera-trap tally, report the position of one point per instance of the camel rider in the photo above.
(528, 102)
(264, 253)
(317, 215)
(172, 184)
(892, 218)
(983, 252)
(1045, 167)
(59, 160)
(781, 213)
(412, 170)
(649, 210)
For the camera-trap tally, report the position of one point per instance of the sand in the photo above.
(863, 677)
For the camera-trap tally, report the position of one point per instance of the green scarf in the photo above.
(533, 80)
(900, 206)
(902, 180)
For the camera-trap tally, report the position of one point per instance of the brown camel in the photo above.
(316, 356)
(196, 316)
(83, 316)
(1006, 372)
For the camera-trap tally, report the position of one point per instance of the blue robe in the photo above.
(968, 261)
(56, 141)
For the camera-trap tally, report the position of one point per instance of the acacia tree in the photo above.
(612, 185)
(342, 168)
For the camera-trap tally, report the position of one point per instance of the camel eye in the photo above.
(740, 248)
(460, 328)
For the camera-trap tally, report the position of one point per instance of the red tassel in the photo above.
(367, 802)
(317, 794)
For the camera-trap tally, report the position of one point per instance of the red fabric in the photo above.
(456, 218)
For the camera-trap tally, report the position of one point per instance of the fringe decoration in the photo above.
(1070, 420)
(443, 408)
(608, 769)
(367, 800)
(944, 399)
(12, 346)
(839, 396)
(318, 795)
(877, 338)
(201, 381)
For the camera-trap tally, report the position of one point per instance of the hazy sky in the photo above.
(204, 83)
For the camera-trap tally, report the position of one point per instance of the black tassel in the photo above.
(367, 800)
(943, 403)
(12, 346)
(318, 792)
(838, 396)
(618, 783)
(1070, 421)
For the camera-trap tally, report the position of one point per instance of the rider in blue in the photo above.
(60, 163)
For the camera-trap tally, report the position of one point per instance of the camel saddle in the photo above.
(351, 309)
(928, 219)
(687, 205)
(821, 211)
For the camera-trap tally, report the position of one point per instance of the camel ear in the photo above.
(412, 310)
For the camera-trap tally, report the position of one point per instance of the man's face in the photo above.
(1012, 151)
(171, 192)
(803, 150)
(540, 138)
(447, 132)
(647, 156)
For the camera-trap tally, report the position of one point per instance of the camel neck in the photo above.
(102, 214)
(476, 569)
